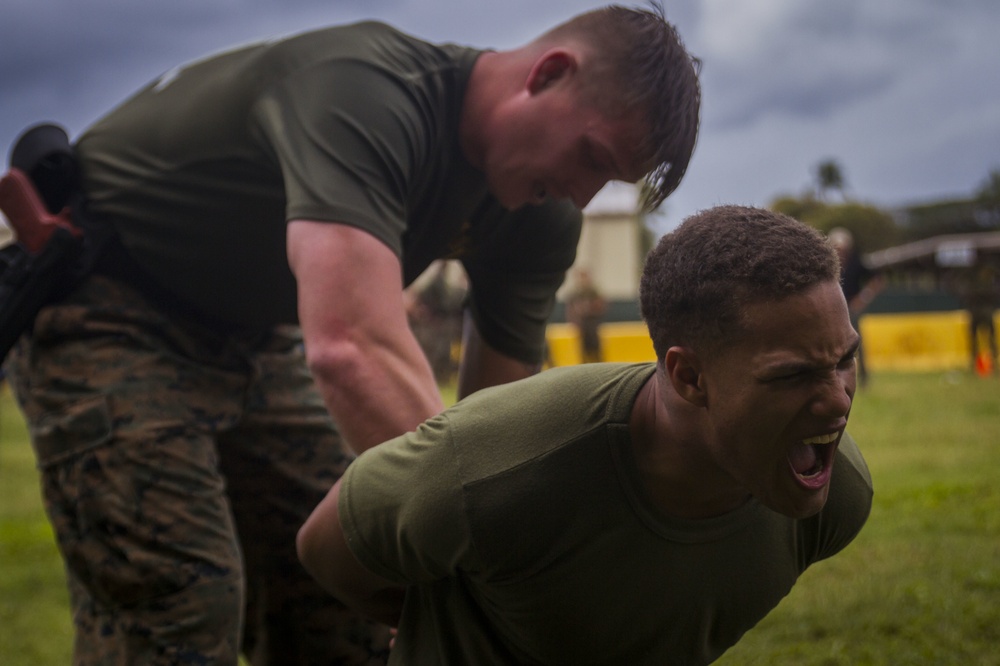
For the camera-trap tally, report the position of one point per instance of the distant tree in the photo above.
(980, 212)
(938, 218)
(798, 207)
(989, 191)
(872, 227)
(987, 213)
(829, 176)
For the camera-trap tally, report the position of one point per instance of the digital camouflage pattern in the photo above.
(159, 441)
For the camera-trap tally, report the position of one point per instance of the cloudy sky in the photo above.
(903, 94)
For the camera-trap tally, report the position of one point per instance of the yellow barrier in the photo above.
(918, 341)
(625, 341)
(909, 341)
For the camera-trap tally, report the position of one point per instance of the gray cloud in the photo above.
(903, 93)
(816, 58)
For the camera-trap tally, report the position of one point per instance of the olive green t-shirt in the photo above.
(200, 171)
(519, 520)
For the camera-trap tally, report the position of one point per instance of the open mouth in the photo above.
(812, 458)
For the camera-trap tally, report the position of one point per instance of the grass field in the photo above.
(920, 585)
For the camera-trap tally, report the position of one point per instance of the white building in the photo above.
(612, 247)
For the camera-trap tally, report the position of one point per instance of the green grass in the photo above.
(35, 627)
(920, 585)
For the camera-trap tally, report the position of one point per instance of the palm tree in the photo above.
(829, 176)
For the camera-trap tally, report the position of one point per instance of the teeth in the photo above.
(822, 439)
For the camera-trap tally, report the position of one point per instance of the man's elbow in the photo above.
(309, 550)
(361, 590)
(316, 547)
(339, 362)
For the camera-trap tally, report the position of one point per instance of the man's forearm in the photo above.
(323, 550)
(482, 366)
(371, 371)
(376, 392)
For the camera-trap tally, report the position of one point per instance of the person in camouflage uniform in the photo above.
(244, 334)
(146, 525)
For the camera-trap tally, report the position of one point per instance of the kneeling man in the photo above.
(623, 513)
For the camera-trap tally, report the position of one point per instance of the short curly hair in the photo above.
(698, 279)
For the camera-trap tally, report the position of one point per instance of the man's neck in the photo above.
(668, 445)
(482, 94)
(496, 78)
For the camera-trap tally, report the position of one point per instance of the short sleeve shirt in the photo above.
(519, 520)
(200, 172)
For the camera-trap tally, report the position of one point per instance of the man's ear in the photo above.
(683, 370)
(549, 68)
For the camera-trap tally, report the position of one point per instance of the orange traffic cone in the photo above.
(984, 365)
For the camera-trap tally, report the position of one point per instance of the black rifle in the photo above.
(40, 197)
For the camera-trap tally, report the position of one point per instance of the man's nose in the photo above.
(835, 396)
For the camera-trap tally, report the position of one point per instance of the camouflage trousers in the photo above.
(177, 464)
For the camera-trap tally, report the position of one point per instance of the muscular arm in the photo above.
(371, 371)
(323, 550)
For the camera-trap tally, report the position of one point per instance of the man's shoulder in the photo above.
(363, 31)
(384, 46)
(565, 383)
(848, 505)
(849, 457)
(554, 403)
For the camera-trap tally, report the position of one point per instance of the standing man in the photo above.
(623, 513)
(285, 193)
(585, 308)
(978, 289)
(860, 284)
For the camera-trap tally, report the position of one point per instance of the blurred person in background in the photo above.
(860, 284)
(585, 308)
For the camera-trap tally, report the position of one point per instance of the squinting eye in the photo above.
(786, 378)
